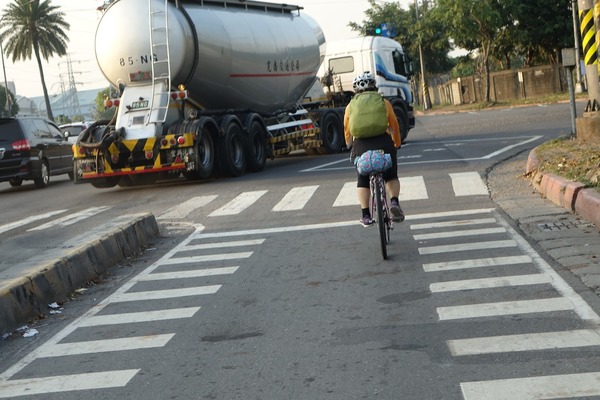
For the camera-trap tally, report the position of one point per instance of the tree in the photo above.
(34, 27)
(101, 112)
(14, 107)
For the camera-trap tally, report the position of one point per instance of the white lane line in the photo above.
(476, 263)
(448, 224)
(28, 220)
(71, 218)
(504, 308)
(462, 233)
(220, 245)
(468, 184)
(485, 283)
(199, 259)
(413, 188)
(184, 209)
(189, 274)
(495, 244)
(296, 198)
(239, 204)
(346, 196)
(106, 345)
(541, 387)
(524, 342)
(446, 214)
(165, 294)
(146, 316)
(65, 383)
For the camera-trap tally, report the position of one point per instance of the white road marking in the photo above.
(296, 198)
(221, 245)
(468, 184)
(28, 220)
(462, 233)
(198, 273)
(135, 317)
(495, 244)
(165, 294)
(347, 196)
(445, 214)
(476, 263)
(199, 259)
(65, 383)
(239, 204)
(71, 218)
(540, 387)
(184, 209)
(504, 308)
(412, 188)
(105, 346)
(448, 224)
(524, 342)
(485, 283)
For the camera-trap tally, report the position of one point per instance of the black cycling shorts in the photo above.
(382, 142)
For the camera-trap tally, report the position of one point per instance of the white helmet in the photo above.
(364, 81)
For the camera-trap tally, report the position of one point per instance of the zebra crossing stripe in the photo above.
(466, 232)
(164, 294)
(504, 308)
(65, 383)
(146, 316)
(485, 283)
(468, 184)
(71, 218)
(184, 209)
(188, 274)
(220, 245)
(476, 263)
(296, 198)
(412, 188)
(28, 220)
(104, 346)
(496, 244)
(447, 224)
(239, 204)
(347, 196)
(524, 342)
(540, 387)
(200, 259)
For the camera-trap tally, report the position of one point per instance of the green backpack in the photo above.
(367, 115)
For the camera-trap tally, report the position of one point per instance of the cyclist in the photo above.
(388, 141)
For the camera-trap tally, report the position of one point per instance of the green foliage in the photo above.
(101, 112)
(14, 107)
(34, 28)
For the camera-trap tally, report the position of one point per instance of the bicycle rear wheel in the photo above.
(382, 225)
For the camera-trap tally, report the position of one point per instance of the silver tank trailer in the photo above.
(235, 55)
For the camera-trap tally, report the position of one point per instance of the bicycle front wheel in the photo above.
(381, 223)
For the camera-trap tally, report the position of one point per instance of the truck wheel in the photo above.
(332, 133)
(205, 156)
(44, 175)
(402, 122)
(257, 147)
(232, 150)
(105, 183)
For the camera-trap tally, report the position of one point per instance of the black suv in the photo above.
(33, 148)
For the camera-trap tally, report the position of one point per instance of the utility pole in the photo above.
(579, 87)
(590, 53)
(423, 81)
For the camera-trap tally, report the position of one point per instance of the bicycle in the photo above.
(373, 163)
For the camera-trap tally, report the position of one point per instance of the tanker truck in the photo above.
(209, 88)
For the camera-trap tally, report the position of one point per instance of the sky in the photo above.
(332, 15)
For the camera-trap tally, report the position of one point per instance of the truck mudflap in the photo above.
(131, 157)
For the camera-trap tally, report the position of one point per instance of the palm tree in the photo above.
(34, 27)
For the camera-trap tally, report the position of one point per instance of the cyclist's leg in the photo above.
(392, 183)
(363, 190)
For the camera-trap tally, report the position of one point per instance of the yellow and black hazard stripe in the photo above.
(588, 36)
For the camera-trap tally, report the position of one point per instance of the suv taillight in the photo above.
(21, 145)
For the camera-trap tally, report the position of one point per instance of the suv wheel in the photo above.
(44, 177)
(14, 182)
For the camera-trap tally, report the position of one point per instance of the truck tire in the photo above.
(105, 183)
(232, 149)
(257, 146)
(332, 133)
(204, 153)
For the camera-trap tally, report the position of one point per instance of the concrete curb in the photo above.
(570, 195)
(30, 290)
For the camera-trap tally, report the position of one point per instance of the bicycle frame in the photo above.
(380, 210)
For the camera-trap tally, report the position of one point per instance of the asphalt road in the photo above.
(266, 287)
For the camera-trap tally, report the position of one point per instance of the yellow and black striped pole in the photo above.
(589, 47)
